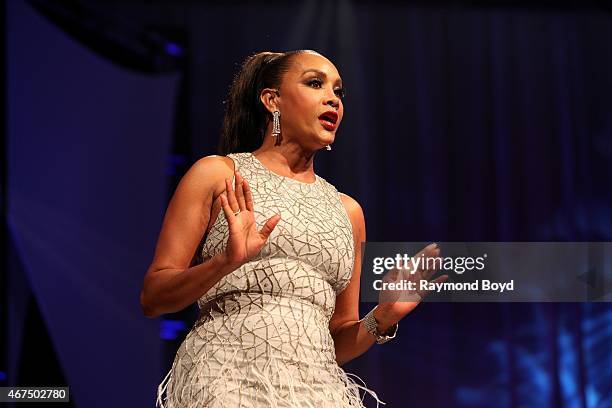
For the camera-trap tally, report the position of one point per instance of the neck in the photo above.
(287, 159)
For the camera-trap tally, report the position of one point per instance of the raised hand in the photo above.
(395, 304)
(244, 241)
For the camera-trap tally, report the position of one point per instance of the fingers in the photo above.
(269, 226)
(430, 258)
(431, 247)
(239, 190)
(434, 260)
(430, 250)
(236, 195)
(231, 196)
(440, 279)
(227, 209)
(248, 197)
(428, 274)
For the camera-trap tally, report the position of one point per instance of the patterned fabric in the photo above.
(262, 338)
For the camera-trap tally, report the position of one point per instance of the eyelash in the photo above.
(340, 92)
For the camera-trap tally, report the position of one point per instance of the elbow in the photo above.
(147, 309)
(342, 360)
(339, 354)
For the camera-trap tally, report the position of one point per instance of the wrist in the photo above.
(222, 264)
(384, 318)
(379, 330)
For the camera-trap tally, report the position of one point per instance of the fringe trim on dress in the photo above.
(228, 382)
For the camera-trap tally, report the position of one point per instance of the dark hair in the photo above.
(246, 117)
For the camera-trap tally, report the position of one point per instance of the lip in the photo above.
(329, 119)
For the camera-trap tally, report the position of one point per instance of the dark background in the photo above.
(487, 121)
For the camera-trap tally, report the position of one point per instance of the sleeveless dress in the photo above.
(262, 338)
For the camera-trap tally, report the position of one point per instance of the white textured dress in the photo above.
(262, 338)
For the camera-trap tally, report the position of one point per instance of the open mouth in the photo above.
(329, 119)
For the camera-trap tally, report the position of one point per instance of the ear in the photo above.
(270, 98)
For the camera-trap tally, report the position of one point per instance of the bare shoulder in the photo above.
(351, 205)
(354, 211)
(209, 171)
(213, 166)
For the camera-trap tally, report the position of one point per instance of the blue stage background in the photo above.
(482, 123)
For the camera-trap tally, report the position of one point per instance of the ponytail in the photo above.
(246, 117)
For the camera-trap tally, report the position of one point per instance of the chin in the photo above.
(326, 142)
(328, 138)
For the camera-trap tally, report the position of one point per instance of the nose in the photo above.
(331, 98)
(333, 101)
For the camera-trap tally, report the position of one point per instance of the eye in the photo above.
(315, 83)
(340, 92)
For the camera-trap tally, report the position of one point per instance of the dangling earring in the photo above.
(328, 147)
(276, 123)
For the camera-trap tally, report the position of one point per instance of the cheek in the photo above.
(304, 112)
(297, 117)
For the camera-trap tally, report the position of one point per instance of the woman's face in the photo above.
(309, 102)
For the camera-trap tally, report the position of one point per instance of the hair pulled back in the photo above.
(246, 117)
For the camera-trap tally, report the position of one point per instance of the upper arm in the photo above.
(188, 213)
(347, 302)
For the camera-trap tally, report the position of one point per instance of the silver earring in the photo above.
(276, 123)
(328, 147)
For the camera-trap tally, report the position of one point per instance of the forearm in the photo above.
(352, 339)
(171, 290)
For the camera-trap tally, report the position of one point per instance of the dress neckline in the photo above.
(259, 164)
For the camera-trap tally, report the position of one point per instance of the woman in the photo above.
(277, 279)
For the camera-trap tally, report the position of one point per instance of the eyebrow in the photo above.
(323, 74)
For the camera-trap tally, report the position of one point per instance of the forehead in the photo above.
(307, 61)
